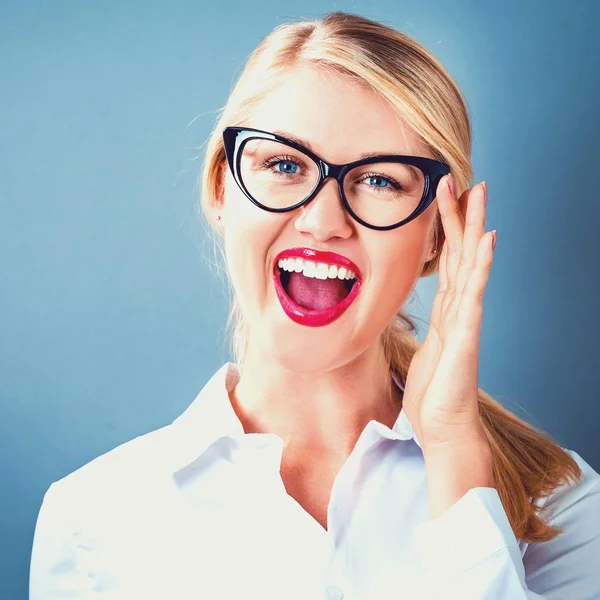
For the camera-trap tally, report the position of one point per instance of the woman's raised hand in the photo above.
(440, 395)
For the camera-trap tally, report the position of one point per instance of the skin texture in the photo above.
(317, 388)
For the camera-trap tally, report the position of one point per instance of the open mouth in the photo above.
(315, 288)
(312, 292)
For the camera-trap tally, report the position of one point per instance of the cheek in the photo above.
(399, 263)
(248, 237)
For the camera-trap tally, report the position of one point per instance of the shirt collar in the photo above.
(211, 417)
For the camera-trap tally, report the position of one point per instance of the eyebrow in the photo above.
(308, 145)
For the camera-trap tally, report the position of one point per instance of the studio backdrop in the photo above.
(110, 307)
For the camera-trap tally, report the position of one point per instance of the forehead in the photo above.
(341, 118)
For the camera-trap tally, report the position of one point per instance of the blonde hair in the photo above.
(527, 464)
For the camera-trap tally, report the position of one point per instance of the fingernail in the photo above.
(494, 235)
(451, 185)
(485, 192)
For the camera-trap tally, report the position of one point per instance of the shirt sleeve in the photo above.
(59, 556)
(470, 551)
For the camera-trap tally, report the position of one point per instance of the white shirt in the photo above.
(198, 509)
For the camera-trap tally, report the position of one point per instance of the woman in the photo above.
(337, 458)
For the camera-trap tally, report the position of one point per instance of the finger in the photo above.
(438, 300)
(470, 309)
(474, 230)
(453, 224)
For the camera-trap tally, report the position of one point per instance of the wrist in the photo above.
(456, 439)
(453, 469)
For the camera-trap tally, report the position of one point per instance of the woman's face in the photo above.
(341, 120)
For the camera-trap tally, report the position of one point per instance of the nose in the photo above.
(325, 217)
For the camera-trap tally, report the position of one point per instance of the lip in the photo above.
(305, 316)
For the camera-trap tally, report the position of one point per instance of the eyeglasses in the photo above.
(380, 192)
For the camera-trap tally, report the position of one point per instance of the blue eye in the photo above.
(290, 167)
(377, 178)
(380, 182)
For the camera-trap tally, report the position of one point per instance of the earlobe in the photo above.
(218, 220)
(214, 215)
(216, 206)
(432, 254)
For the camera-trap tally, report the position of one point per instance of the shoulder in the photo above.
(123, 475)
(95, 519)
(142, 468)
(570, 495)
(568, 561)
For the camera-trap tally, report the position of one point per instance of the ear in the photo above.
(431, 254)
(214, 214)
(434, 234)
(215, 207)
(220, 191)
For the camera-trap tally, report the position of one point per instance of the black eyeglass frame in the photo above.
(234, 139)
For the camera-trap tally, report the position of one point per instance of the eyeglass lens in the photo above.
(279, 176)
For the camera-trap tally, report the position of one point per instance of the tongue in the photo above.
(315, 294)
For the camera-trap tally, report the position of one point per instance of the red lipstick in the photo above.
(305, 316)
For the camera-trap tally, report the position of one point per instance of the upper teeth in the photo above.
(308, 268)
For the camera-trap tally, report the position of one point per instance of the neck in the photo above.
(320, 413)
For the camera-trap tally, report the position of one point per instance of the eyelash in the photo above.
(267, 164)
(393, 182)
(270, 162)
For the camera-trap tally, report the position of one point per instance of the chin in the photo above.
(309, 350)
(309, 362)
(304, 349)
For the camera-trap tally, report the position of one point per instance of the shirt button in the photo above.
(334, 593)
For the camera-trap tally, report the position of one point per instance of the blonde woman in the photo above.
(337, 458)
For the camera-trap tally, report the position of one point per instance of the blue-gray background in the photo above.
(111, 320)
